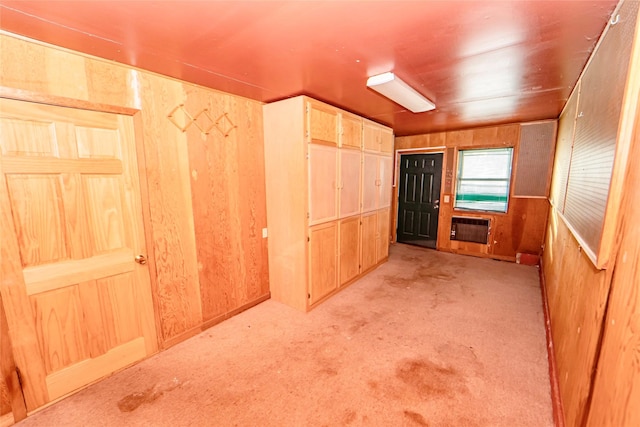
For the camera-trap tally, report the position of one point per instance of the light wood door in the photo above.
(350, 169)
(351, 135)
(382, 237)
(370, 182)
(322, 124)
(368, 244)
(323, 260)
(349, 249)
(385, 181)
(78, 306)
(323, 183)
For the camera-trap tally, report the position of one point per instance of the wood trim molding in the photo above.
(556, 398)
(61, 101)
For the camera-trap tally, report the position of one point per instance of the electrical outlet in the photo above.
(264, 233)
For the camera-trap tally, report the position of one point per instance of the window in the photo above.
(483, 179)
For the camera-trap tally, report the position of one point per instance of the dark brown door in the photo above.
(419, 199)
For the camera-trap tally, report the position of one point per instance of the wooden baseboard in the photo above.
(211, 322)
(556, 398)
(7, 420)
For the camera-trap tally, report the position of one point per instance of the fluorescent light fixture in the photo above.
(389, 85)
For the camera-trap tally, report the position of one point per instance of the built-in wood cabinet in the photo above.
(319, 176)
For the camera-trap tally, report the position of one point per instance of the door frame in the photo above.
(396, 192)
(136, 118)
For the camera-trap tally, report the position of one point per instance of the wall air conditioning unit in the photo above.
(468, 229)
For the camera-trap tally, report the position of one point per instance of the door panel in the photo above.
(370, 184)
(323, 260)
(323, 124)
(349, 249)
(382, 249)
(351, 131)
(350, 167)
(385, 170)
(71, 202)
(369, 232)
(418, 199)
(323, 180)
(386, 141)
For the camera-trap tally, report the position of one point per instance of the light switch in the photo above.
(446, 198)
(264, 233)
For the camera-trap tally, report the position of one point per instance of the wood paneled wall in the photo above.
(595, 314)
(616, 389)
(205, 196)
(521, 229)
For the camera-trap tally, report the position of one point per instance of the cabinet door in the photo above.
(371, 137)
(382, 241)
(350, 167)
(351, 135)
(323, 174)
(369, 231)
(370, 184)
(322, 124)
(349, 249)
(385, 181)
(386, 141)
(323, 260)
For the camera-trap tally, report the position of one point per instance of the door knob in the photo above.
(141, 259)
(436, 204)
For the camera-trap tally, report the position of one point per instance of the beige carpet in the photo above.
(427, 339)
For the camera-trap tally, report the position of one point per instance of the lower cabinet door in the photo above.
(349, 249)
(369, 232)
(323, 260)
(382, 250)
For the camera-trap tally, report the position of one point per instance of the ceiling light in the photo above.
(389, 85)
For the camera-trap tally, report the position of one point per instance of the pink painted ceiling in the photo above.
(481, 62)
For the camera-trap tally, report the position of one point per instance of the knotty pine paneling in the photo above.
(227, 182)
(521, 229)
(186, 264)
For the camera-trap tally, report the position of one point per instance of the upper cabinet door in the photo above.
(385, 172)
(386, 140)
(351, 131)
(371, 137)
(377, 138)
(350, 169)
(323, 189)
(370, 183)
(322, 124)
